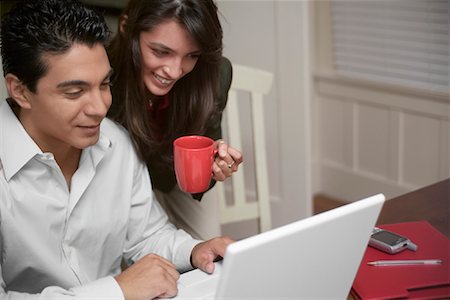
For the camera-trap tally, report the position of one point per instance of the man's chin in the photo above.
(87, 142)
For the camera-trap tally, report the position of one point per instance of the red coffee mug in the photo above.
(193, 158)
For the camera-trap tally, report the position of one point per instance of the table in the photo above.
(431, 203)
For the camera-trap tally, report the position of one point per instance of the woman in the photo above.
(171, 80)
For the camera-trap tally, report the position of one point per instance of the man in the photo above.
(75, 199)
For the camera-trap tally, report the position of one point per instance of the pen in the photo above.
(405, 262)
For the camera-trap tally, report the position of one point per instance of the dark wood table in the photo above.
(431, 203)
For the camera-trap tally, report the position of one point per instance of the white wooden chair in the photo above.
(256, 83)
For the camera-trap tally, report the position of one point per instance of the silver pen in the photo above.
(405, 262)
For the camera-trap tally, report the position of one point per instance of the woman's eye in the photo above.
(159, 52)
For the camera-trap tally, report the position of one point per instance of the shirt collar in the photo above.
(96, 152)
(16, 146)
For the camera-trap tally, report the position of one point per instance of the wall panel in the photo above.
(421, 159)
(373, 131)
(373, 139)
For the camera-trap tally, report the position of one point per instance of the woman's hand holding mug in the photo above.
(226, 161)
(197, 159)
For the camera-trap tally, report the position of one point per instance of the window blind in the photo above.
(404, 42)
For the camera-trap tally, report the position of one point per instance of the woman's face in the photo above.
(168, 52)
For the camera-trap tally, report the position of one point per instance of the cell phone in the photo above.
(390, 242)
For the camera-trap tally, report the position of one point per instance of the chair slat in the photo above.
(256, 83)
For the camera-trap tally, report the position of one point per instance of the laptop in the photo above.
(314, 258)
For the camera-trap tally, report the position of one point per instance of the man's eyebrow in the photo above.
(71, 83)
(81, 82)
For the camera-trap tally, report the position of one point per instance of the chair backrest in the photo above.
(256, 83)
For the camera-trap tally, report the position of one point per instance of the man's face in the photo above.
(70, 100)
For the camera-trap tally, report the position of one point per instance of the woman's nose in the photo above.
(174, 69)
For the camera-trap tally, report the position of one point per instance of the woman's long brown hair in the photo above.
(191, 98)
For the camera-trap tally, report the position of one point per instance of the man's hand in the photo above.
(204, 254)
(148, 278)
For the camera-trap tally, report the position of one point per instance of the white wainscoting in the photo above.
(373, 138)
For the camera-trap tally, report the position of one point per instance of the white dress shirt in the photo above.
(58, 244)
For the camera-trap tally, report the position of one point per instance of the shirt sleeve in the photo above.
(149, 230)
(103, 288)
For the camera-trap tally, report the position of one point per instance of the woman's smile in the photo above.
(163, 80)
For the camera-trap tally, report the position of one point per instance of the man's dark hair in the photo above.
(35, 28)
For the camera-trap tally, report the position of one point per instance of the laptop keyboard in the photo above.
(197, 284)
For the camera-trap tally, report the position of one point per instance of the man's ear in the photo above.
(17, 90)
(123, 20)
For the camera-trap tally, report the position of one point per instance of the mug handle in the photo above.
(214, 156)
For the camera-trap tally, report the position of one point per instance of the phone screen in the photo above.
(389, 238)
